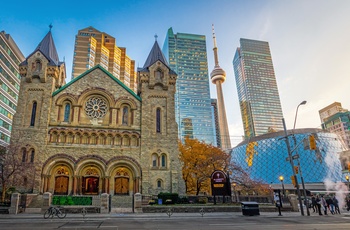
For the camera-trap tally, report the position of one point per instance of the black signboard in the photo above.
(219, 183)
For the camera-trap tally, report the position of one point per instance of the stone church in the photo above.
(94, 135)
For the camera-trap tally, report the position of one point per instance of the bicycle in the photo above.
(52, 211)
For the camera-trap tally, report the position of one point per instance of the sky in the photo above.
(309, 41)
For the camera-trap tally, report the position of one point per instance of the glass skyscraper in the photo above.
(187, 56)
(257, 88)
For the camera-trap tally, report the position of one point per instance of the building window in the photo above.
(66, 112)
(125, 115)
(154, 160)
(163, 161)
(158, 120)
(159, 184)
(37, 65)
(24, 155)
(32, 119)
(32, 155)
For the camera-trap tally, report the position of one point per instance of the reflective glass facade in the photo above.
(264, 157)
(187, 56)
(10, 58)
(257, 88)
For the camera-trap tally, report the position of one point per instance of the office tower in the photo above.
(93, 47)
(187, 56)
(10, 57)
(218, 76)
(336, 119)
(257, 88)
(214, 110)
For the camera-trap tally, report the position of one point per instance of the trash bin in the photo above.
(250, 208)
(160, 201)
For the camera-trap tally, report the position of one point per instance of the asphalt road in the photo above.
(183, 221)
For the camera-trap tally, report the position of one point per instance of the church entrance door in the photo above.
(61, 185)
(122, 186)
(90, 186)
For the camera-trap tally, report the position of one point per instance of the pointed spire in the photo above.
(155, 55)
(48, 49)
(216, 58)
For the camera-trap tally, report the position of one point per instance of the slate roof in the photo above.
(48, 49)
(155, 55)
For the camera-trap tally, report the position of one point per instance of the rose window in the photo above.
(96, 107)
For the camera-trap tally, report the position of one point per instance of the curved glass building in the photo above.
(265, 157)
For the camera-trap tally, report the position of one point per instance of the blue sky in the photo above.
(309, 40)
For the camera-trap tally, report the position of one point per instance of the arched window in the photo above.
(66, 112)
(163, 160)
(32, 155)
(24, 155)
(159, 75)
(37, 65)
(159, 183)
(158, 120)
(154, 160)
(125, 115)
(32, 119)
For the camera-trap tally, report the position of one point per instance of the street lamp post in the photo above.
(292, 164)
(296, 149)
(283, 192)
(234, 191)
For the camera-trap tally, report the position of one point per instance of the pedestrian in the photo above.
(336, 205)
(313, 203)
(330, 204)
(318, 202)
(324, 205)
(348, 204)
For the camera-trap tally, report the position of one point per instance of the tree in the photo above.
(12, 169)
(200, 160)
(244, 183)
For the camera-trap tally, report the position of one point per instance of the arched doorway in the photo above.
(121, 182)
(61, 181)
(90, 182)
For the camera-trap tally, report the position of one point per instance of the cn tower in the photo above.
(218, 76)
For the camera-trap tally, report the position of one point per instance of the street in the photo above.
(183, 221)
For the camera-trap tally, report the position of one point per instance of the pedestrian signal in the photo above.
(312, 142)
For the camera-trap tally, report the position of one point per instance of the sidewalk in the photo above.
(91, 216)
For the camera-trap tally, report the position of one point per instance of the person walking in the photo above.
(330, 204)
(318, 203)
(324, 205)
(314, 203)
(336, 205)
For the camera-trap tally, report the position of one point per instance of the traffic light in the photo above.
(312, 142)
(293, 181)
(296, 168)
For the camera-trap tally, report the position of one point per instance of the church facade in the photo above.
(94, 135)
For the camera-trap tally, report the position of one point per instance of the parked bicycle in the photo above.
(55, 211)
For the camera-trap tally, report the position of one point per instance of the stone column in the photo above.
(15, 197)
(138, 202)
(75, 180)
(47, 200)
(104, 203)
(293, 202)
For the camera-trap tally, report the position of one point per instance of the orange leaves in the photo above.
(200, 160)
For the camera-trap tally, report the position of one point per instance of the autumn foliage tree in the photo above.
(12, 169)
(200, 160)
